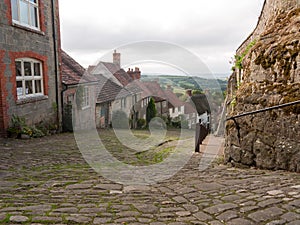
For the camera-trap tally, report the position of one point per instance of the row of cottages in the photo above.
(30, 81)
(117, 90)
(107, 89)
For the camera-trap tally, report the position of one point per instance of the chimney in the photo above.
(117, 59)
(134, 74)
(189, 92)
(169, 87)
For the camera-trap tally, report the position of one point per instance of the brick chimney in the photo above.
(117, 59)
(169, 87)
(189, 92)
(136, 74)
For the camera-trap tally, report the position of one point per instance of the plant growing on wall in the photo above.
(239, 58)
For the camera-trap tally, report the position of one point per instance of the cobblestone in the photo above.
(47, 181)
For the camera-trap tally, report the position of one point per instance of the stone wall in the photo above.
(270, 75)
(19, 41)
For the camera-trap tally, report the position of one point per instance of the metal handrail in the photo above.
(263, 110)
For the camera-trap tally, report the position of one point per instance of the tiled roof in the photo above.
(201, 103)
(189, 108)
(134, 87)
(155, 90)
(113, 68)
(72, 71)
(108, 90)
(123, 77)
(173, 99)
(141, 85)
(113, 72)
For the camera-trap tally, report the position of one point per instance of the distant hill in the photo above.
(185, 82)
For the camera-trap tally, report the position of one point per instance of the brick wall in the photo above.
(18, 42)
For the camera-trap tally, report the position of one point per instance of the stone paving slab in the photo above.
(46, 181)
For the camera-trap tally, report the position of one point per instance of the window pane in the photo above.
(19, 89)
(24, 12)
(38, 86)
(14, 9)
(18, 69)
(27, 69)
(33, 16)
(28, 87)
(34, 1)
(37, 69)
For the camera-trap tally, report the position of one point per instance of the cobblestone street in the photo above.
(46, 181)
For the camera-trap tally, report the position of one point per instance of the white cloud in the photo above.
(211, 29)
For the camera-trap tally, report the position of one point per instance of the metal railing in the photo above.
(255, 112)
(263, 110)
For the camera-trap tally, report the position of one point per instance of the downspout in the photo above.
(64, 89)
(56, 64)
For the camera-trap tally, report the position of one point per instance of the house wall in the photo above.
(17, 41)
(82, 118)
(103, 121)
(162, 108)
(176, 111)
(106, 121)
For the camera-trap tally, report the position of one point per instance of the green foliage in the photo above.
(154, 157)
(233, 101)
(54, 106)
(151, 111)
(19, 127)
(239, 58)
(197, 92)
(141, 123)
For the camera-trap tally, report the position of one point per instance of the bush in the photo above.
(141, 123)
(19, 127)
(151, 111)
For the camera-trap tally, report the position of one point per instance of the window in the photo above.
(123, 103)
(164, 104)
(85, 97)
(134, 99)
(29, 78)
(70, 98)
(26, 13)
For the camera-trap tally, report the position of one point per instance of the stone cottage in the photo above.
(30, 82)
(78, 94)
(116, 91)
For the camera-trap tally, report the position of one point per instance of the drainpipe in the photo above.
(64, 89)
(56, 63)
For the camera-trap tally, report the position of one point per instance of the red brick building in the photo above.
(29, 62)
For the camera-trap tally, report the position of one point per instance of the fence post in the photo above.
(200, 135)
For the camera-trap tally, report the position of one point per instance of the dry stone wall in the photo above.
(270, 76)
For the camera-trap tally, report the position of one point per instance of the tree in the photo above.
(151, 111)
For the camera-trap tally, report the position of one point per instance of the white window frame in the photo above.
(15, 4)
(85, 98)
(21, 92)
(123, 103)
(164, 104)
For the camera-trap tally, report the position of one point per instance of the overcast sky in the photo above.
(212, 30)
